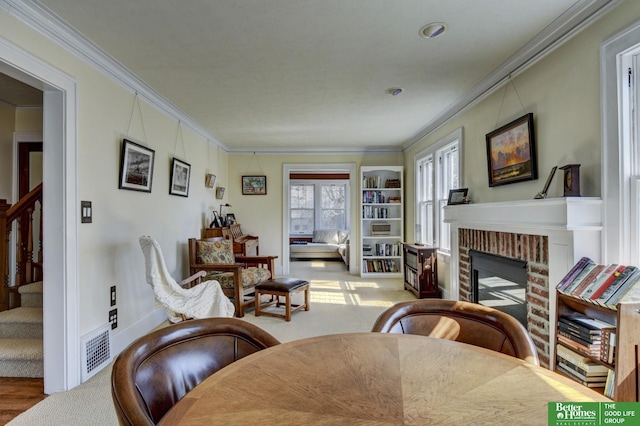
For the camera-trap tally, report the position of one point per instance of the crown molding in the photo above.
(37, 16)
(578, 17)
(318, 150)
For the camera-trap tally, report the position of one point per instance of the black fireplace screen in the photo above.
(500, 283)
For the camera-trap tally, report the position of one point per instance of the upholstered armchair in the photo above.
(215, 256)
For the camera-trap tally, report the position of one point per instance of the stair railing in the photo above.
(27, 270)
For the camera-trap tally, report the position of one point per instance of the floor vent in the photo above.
(96, 351)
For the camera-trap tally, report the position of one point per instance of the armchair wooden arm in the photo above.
(193, 279)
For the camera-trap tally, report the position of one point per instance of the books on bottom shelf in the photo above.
(379, 265)
(581, 368)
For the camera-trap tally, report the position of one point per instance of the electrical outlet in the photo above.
(113, 318)
(113, 295)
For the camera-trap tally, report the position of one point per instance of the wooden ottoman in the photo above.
(284, 286)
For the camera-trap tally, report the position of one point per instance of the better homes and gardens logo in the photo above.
(594, 413)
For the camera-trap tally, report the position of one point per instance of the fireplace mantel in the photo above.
(572, 228)
(576, 213)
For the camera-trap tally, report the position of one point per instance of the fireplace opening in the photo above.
(500, 283)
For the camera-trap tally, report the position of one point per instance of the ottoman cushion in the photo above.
(281, 284)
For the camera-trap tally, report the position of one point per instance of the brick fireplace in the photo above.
(532, 249)
(550, 235)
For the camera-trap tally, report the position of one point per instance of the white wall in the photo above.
(7, 122)
(109, 253)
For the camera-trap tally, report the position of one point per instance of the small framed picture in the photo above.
(231, 219)
(254, 185)
(457, 196)
(217, 221)
(220, 192)
(209, 180)
(136, 167)
(180, 174)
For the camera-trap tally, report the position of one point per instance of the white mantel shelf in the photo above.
(536, 216)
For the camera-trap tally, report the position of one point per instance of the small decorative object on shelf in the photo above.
(543, 193)
(571, 180)
(381, 221)
(458, 196)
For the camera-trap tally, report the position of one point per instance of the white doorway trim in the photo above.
(60, 234)
(350, 168)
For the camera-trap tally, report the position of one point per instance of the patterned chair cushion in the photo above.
(250, 277)
(215, 252)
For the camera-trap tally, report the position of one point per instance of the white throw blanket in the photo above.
(204, 300)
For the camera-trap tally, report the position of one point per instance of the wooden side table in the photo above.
(421, 270)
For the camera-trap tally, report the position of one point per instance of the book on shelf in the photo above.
(592, 382)
(602, 277)
(577, 288)
(602, 286)
(607, 346)
(630, 294)
(609, 386)
(573, 273)
(590, 350)
(580, 277)
(580, 361)
(630, 273)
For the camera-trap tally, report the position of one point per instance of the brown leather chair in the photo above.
(460, 321)
(158, 369)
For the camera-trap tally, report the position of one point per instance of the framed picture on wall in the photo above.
(136, 167)
(180, 174)
(254, 185)
(511, 152)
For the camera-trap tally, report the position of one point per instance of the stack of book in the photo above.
(582, 369)
(605, 285)
(582, 334)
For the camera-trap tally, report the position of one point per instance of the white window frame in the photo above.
(620, 168)
(432, 197)
(317, 202)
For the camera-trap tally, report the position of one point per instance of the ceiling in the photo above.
(287, 75)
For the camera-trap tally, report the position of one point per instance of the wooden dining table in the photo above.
(377, 379)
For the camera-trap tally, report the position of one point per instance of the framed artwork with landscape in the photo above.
(254, 185)
(136, 167)
(180, 175)
(511, 152)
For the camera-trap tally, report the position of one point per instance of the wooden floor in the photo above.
(18, 395)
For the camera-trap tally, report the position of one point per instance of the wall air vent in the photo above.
(96, 351)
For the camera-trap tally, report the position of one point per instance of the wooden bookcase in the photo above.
(381, 221)
(626, 318)
(421, 270)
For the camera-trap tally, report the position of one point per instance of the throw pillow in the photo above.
(215, 252)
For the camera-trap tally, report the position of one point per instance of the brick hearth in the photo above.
(534, 249)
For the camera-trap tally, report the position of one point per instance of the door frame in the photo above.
(61, 341)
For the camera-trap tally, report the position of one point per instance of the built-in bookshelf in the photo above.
(381, 221)
(598, 334)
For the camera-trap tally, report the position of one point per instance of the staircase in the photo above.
(21, 353)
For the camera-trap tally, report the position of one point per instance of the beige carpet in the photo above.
(340, 303)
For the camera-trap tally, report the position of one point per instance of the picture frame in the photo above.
(231, 219)
(511, 152)
(180, 175)
(254, 185)
(220, 192)
(209, 180)
(217, 221)
(457, 196)
(136, 167)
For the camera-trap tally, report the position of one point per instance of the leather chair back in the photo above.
(460, 321)
(160, 368)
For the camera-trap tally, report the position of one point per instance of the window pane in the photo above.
(333, 213)
(301, 222)
(333, 219)
(302, 196)
(332, 196)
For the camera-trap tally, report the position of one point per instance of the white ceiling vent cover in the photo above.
(96, 351)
